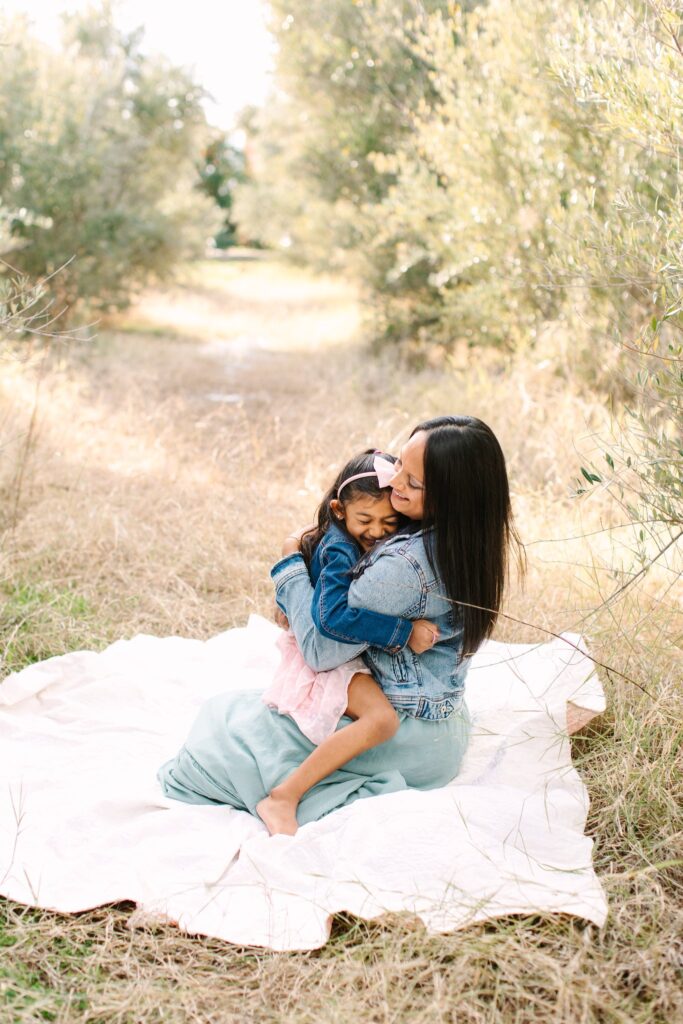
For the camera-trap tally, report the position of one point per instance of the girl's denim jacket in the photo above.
(396, 578)
(331, 573)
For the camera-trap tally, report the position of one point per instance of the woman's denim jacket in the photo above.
(396, 579)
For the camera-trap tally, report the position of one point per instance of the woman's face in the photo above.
(407, 494)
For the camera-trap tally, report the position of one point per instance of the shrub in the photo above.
(626, 64)
(98, 152)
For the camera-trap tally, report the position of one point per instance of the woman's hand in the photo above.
(290, 545)
(281, 619)
(423, 636)
(292, 542)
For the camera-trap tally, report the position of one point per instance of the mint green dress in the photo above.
(238, 750)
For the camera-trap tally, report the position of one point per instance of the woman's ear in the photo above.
(337, 508)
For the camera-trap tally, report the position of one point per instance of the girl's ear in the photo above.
(337, 508)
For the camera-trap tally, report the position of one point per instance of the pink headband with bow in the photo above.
(383, 470)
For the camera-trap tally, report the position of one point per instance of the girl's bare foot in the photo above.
(278, 814)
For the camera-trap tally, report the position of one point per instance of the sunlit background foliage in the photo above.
(497, 174)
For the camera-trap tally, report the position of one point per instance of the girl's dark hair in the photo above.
(467, 507)
(367, 485)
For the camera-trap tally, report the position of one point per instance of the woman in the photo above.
(450, 568)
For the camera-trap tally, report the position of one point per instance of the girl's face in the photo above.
(367, 519)
(407, 494)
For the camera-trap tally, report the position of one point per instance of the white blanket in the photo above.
(83, 821)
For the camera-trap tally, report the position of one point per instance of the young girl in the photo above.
(354, 515)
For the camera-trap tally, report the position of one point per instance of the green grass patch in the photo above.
(27, 994)
(40, 621)
(39, 983)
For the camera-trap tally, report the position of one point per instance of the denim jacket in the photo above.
(395, 579)
(331, 574)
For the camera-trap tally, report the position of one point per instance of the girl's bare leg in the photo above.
(375, 721)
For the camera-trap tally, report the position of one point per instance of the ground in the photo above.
(149, 475)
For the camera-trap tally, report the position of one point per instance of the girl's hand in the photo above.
(423, 636)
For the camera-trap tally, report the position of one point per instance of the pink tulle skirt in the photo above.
(315, 700)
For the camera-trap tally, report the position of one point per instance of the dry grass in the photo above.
(171, 455)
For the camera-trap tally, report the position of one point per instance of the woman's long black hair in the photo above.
(467, 505)
(367, 485)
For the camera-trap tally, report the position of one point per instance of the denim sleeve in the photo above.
(335, 619)
(294, 593)
(393, 584)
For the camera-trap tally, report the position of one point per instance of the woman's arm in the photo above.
(294, 593)
(335, 619)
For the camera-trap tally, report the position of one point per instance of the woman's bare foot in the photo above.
(278, 814)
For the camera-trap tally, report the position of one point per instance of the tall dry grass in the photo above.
(170, 456)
